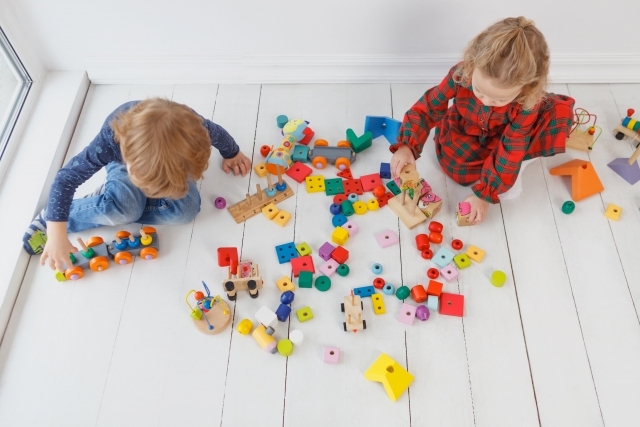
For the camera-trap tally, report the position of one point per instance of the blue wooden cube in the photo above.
(385, 170)
(286, 252)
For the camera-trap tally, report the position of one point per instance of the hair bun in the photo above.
(524, 22)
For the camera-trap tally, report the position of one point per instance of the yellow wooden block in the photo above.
(378, 304)
(315, 184)
(260, 169)
(373, 205)
(270, 211)
(613, 212)
(282, 218)
(393, 377)
(285, 284)
(475, 253)
(360, 207)
(340, 236)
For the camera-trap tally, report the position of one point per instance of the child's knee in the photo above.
(186, 209)
(125, 203)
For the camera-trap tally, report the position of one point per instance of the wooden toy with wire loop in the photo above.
(211, 315)
(581, 138)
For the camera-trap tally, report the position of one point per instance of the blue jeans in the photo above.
(124, 203)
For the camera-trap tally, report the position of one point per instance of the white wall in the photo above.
(138, 40)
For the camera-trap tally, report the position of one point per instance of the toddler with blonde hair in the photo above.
(501, 117)
(154, 151)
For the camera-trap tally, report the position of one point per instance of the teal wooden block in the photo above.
(305, 279)
(393, 187)
(359, 143)
(333, 186)
(300, 154)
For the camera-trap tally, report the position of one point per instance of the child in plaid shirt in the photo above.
(501, 117)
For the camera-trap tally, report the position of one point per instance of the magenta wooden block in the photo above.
(422, 313)
(449, 272)
(407, 314)
(329, 267)
(325, 251)
(351, 227)
(387, 238)
(331, 354)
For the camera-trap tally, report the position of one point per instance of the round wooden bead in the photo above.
(435, 226)
(433, 273)
(323, 283)
(498, 278)
(378, 191)
(457, 244)
(220, 202)
(338, 220)
(264, 150)
(403, 293)
(270, 191)
(343, 270)
(245, 327)
(568, 207)
(373, 205)
(281, 120)
(335, 209)
(339, 198)
(422, 242)
(285, 347)
(360, 207)
(422, 313)
(296, 337)
(378, 283)
(287, 297)
(388, 289)
(376, 268)
(427, 254)
(281, 187)
(435, 237)
(353, 197)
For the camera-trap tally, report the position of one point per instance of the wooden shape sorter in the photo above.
(253, 204)
(584, 179)
(421, 203)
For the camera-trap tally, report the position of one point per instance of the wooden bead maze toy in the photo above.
(580, 138)
(628, 168)
(211, 315)
(253, 204)
(241, 276)
(420, 205)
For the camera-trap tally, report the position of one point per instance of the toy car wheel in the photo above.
(345, 326)
(99, 263)
(148, 230)
(254, 296)
(232, 298)
(149, 253)
(123, 258)
(229, 286)
(74, 273)
(320, 143)
(364, 324)
(342, 163)
(94, 241)
(319, 162)
(342, 307)
(619, 136)
(343, 143)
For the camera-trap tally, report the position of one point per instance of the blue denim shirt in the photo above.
(104, 150)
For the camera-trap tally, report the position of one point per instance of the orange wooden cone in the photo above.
(584, 179)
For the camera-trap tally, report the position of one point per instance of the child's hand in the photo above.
(400, 158)
(240, 164)
(58, 247)
(479, 209)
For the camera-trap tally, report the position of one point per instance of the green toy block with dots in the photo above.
(333, 186)
(393, 187)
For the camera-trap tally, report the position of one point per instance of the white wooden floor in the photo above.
(558, 345)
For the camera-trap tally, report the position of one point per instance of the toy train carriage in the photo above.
(352, 308)
(247, 279)
(628, 127)
(342, 155)
(93, 255)
(126, 245)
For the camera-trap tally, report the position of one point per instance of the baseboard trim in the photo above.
(274, 69)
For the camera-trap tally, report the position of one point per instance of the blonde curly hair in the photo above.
(511, 52)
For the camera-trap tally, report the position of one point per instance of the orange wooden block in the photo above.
(584, 179)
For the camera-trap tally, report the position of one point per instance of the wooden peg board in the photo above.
(253, 204)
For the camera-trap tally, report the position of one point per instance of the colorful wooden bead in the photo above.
(461, 261)
(387, 238)
(339, 198)
(303, 249)
(422, 313)
(403, 293)
(418, 293)
(435, 237)
(498, 278)
(283, 312)
(407, 314)
(323, 283)
(335, 209)
(449, 272)
(388, 289)
(285, 284)
(433, 302)
(340, 255)
(433, 273)
(340, 236)
(378, 304)
(436, 227)
(287, 297)
(351, 227)
(343, 270)
(282, 218)
(422, 242)
(325, 251)
(329, 267)
(353, 197)
(296, 337)
(475, 253)
(568, 207)
(443, 257)
(613, 212)
(347, 208)
(285, 347)
(339, 220)
(379, 191)
(245, 327)
(451, 304)
(281, 120)
(427, 254)
(265, 150)
(434, 288)
(457, 244)
(376, 268)
(360, 207)
(373, 205)
(220, 202)
(331, 355)
(378, 283)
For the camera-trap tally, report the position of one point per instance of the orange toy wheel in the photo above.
(99, 263)
(344, 144)
(148, 230)
(319, 162)
(123, 258)
(149, 253)
(342, 163)
(74, 273)
(320, 143)
(123, 234)
(94, 241)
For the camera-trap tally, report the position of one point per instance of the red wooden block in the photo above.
(352, 186)
(434, 288)
(340, 255)
(339, 198)
(384, 199)
(303, 263)
(299, 171)
(369, 182)
(346, 174)
(451, 304)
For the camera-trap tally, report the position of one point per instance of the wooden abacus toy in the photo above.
(253, 204)
(420, 205)
(94, 255)
(241, 276)
(211, 315)
(583, 139)
(126, 245)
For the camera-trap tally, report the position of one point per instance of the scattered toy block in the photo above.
(325, 251)
(339, 198)
(369, 182)
(296, 337)
(267, 318)
(340, 255)
(382, 126)
(475, 253)
(303, 249)
(340, 236)
(378, 304)
(285, 284)
(394, 378)
(286, 252)
(443, 257)
(384, 199)
(260, 170)
(283, 312)
(270, 211)
(393, 188)
(461, 261)
(305, 279)
(360, 207)
(331, 355)
(343, 270)
(464, 209)
(449, 272)
(352, 186)
(304, 263)
(451, 304)
(351, 227)
(304, 314)
(386, 238)
(359, 143)
(629, 172)
(329, 267)
(339, 220)
(584, 179)
(333, 186)
(498, 278)
(346, 174)
(434, 288)
(407, 314)
(315, 184)
(388, 289)
(385, 170)
(285, 347)
(300, 153)
(613, 212)
(433, 302)
(282, 218)
(364, 291)
(373, 205)
(299, 172)
(419, 293)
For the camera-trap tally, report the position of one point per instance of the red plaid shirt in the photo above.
(475, 142)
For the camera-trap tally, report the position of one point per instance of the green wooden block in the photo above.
(333, 186)
(300, 154)
(304, 314)
(393, 187)
(303, 249)
(359, 143)
(461, 261)
(305, 279)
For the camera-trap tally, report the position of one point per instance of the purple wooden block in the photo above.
(329, 267)
(326, 250)
(351, 227)
(449, 272)
(630, 173)
(407, 314)
(422, 313)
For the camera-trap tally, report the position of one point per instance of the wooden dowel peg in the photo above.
(84, 247)
(258, 192)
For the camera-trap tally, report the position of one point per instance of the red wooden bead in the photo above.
(264, 150)
(435, 226)
(427, 254)
(422, 242)
(418, 293)
(435, 237)
(339, 198)
(457, 244)
(199, 295)
(433, 273)
(378, 191)
(378, 283)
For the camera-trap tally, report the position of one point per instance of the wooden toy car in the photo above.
(241, 275)
(342, 155)
(352, 308)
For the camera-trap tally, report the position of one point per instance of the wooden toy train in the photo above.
(96, 254)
